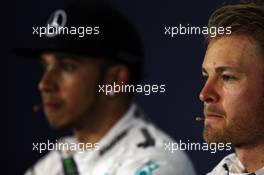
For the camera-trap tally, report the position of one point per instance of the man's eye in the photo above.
(228, 78)
(67, 66)
(44, 66)
(204, 78)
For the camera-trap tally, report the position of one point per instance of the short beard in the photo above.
(211, 135)
(241, 131)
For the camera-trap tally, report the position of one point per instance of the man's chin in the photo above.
(58, 124)
(211, 135)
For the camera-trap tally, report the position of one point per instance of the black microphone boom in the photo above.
(37, 107)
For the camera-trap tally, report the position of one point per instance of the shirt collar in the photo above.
(236, 167)
(125, 122)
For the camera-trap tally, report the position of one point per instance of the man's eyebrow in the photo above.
(221, 69)
(63, 56)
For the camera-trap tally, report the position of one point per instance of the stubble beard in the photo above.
(242, 130)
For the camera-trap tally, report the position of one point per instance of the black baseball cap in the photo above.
(94, 29)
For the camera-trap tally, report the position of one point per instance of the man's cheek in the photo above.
(230, 105)
(237, 96)
(77, 99)
(73, 93)
(237, 104)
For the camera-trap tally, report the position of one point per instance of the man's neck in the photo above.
(99, 123)
(252, 157)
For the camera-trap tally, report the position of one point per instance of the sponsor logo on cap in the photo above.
(57, 20)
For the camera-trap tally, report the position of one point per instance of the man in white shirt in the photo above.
(132, 146)
(121, 141)
(233, 93)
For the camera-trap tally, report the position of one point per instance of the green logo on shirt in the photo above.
(147, 168)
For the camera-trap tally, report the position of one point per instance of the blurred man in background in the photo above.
(78, 67)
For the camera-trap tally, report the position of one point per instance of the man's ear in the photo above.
(119, 74)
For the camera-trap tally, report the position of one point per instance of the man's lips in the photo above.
(51, 106)
(213, 117)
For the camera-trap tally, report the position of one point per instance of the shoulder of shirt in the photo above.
(219, 167)
(48, 164)
(144, 145)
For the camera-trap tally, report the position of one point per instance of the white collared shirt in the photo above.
(231, 165)
(133, 146)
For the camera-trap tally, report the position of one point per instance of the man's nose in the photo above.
(48, 82)
(209, 93)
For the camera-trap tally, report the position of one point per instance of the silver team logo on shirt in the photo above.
(56, 22)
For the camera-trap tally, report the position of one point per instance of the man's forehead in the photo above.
(220, 69)
(230, 51)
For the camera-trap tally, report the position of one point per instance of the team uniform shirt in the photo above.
(133, 146)
(231, 165)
